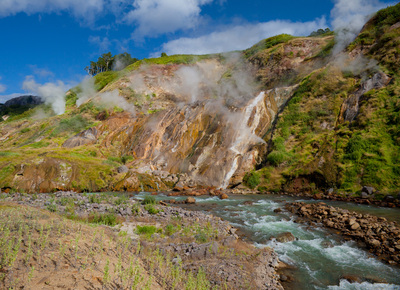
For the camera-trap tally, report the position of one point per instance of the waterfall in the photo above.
(243, 136)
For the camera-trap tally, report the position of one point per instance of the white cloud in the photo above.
(41, 72)
(348, 18)
(239, 37)
(102, 43)
(5, 98)
(155, 17)
(85, 10)
(51, 93)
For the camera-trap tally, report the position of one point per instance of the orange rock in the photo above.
(223, 196)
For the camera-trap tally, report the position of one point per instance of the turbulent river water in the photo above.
(319, 257)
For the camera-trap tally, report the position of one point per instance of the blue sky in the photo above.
(49, 42)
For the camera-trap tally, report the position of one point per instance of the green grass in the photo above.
(109, 219)
(267, 43)
(73, 124)
(170, 59)
(105, 78)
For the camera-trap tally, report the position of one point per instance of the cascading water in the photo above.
(244, 136)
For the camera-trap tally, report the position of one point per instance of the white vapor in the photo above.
(239, 37)
(155, 17)
(87, 90)
(2, 87)
(52, 93)
(112, 99)
(348, 17)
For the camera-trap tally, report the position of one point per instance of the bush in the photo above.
(74, 124)
(252, 179)
(52, 207)
(109, 219)
(170, 229)
(149, 199)
(148, 231)
(151, 209)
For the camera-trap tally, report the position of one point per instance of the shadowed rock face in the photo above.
(351, 106)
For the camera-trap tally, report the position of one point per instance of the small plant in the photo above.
(135, 209)
(52, 207)
(170, 229)
(147, 231)
(106, 275)
(151, 209)
(149, 199)
(109, 219)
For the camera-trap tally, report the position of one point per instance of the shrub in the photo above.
(151, 209)
(109, 219)
(149, 199)
(147, 230)
(74, 124)
(52, 207)
(170, 229)
(252, 179)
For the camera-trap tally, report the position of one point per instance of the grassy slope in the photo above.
(309, 142)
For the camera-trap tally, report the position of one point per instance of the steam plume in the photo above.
(52, 93)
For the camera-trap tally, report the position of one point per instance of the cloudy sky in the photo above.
(50, 42)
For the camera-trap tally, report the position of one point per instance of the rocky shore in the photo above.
(379, 236)
(193, 240)
(368, 196)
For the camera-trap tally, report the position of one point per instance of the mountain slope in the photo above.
(284, 114)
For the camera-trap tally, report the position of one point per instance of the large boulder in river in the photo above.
(190, 200)
(285, 237)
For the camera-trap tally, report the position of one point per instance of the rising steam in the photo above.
(52, 93)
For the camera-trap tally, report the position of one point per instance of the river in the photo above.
(318, 258)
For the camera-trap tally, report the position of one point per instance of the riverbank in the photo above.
(379, 236)
(174, 245)
(368, 195)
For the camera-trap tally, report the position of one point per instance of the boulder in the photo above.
(389, 198)
(374, 243)
(355, 226)
(122, 169)
(364, 195)
(223, 196)
(368, 190)
(285, 237)
(190, 200)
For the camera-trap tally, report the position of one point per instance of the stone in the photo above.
(330, 191)
(364, 195)
(389, 198)
(355, 226)
(285, 237)
(223, 196)
(352, 221)
(122, 169)
(190, 200)
(368, 190)
(374, 243)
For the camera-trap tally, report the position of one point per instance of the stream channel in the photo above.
(319, 257)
